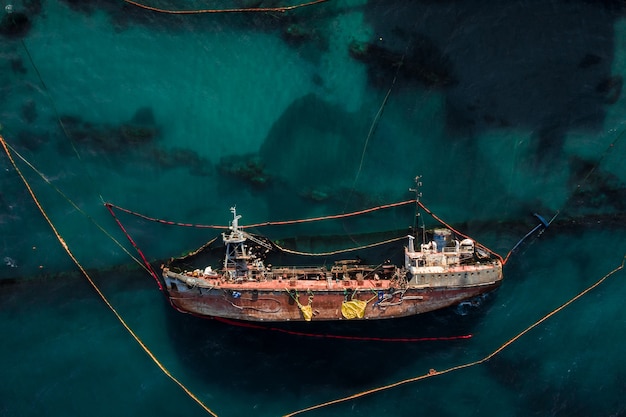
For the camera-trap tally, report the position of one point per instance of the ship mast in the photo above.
(418, 215)
(236, 254)
(239, 258)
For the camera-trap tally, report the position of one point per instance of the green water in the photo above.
(182, 117)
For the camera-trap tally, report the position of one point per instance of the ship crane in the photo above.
(237, 253)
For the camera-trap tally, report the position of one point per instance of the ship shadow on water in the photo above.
(295, 356)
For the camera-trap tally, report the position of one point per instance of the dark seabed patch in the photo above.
(603, 190)
(136, 139)
(313, 142)
(543, 67)
(421, 62)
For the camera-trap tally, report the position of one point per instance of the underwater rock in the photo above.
(296, 33)
(307, 39)
(17, 66)
(136, 134)
(610, 88)
(333, 195)
(29, 111)
(422, 62)
(141, 128)
(600, 190)
(248, 167)
(15, 25)
(182, 158)
(316, 194)
(135, 139)
(99, 137)
(133, 134)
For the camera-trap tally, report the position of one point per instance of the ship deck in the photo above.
(281, 283)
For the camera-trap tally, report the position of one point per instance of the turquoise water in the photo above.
(505, 109)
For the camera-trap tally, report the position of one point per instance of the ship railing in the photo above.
(313, 273)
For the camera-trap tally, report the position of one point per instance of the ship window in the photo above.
(173, 286)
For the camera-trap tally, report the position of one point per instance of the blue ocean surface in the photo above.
(506, 109)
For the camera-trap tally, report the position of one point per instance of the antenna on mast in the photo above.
(418, 215)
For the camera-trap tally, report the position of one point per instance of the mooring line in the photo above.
(579, 187)
(370, 133)
(434, 216)
(263, 224)
(231, 10)
(374, 123)
(333, 216)
(112, 206)
(339, 251)
(73, 204)
(96, 288)
(430, 373)
(433, 372)
(168, 222)
(132, 242)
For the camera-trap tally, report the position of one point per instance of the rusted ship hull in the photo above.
(283, 300)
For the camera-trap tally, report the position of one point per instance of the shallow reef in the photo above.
(180, 157)
(140, 129)
(600, 190)
(421, 62)
(247, 167)
(136, 138)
